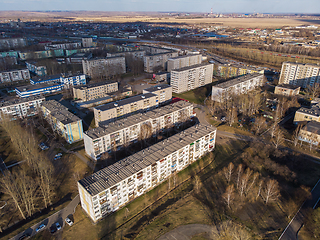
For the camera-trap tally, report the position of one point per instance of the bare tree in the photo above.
(259, 188)
(278, 138)
(270, 191)
(228, 172)
(254, 178)
(239, 173)
(197, 184)
(228, 196)
(232, 115)
(244, 181)
(314, 90)
(296, 135)
(145, 132)
(259, 125)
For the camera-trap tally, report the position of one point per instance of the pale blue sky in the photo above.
(221, 6)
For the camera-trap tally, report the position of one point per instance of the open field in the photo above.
(153, 17)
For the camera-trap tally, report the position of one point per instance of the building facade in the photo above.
(184, 61)
(10, 43)
(113, 187)
(65, 79)
(14, 75)
(124, 107)
(287, 90)
(299, 74)
(104, 66)
(66, 124)
(237, 86)
(38, 89)
(63, 46)
(188, 78)
(87, 42)
(37, 69)
(124, 131)
(163, 91)
(129, 54)
(94, 90)
(310, 133)
(22, 107)
(158, 61)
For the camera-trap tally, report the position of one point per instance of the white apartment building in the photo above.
(113, 187)
(104, 66)
(158, 61)
(164, 92)
(124, 131)
(22, 107)
(188, 78)
(87, 42)
(9, 43)
(299, 74)
(236, 86)
(14, 75)
(183, 61)
(73, 45)
(94, 90)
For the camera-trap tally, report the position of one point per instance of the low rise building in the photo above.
(188, 78)
(66, 79)
(113, 187)
(287, 90)
(184, 61)
(124, 107)
(104, 66)
(162, 77)
(21, 107)
(94, 90)
(38, 89)
(310, 133)
(14, 75)
(158, 61)
(124, 131)
(236, 86)
(66, 124)
(164, 92)
(78, 57)
(307, 114)
(37, 68)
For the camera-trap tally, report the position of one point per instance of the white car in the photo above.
(42, 226)
(69, 222)
(58, 226)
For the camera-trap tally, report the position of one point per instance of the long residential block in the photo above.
(158, 61)
(236, 86)
(38, 89)
(68, 125)
(14, 75)
(66, 79)
(104, 66)
(113, 110)
(163, 91)
(21, 107)
(124, 131)
(113, 187)
(299, 74)
(94, 90)
(37, 68)
(188, 78)
(184, 61)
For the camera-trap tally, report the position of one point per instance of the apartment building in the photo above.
(184, 61)
(188, 78)
(154, 50)
(77, 58)
(36, 68)
(38, 89)
(66, 79)
(310, 133)
(162, 77)
(104, 66)
(299, 74)
(63, 46)
(113, 187)
(287, 90)
(158, 61)
(163, 91)
(124, 131)
(138, 54)
(10, 43)
(14, 75)
(87, 42)
(236, 86)
(66, 124)
(124, 107)
(94, 90)
(21, 107)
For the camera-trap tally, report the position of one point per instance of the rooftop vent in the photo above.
(143, 96)
(116, 104)
(159, 87)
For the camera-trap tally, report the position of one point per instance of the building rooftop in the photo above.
(288, 86)
(13, 70)
(313, 127)
(314, 110)
(191, 67)
(238, 80)
(20, 100)
(37, 86)
(47, 77)
(106, 127)
(184, 56)
(95, 101)
(125, 101)
(305, 64)
(92, 85)
(157, 88)
(60, 112)
(117, 172)
(158, 54)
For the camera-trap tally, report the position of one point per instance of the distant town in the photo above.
(159, 129)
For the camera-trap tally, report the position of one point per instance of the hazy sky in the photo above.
(220, 6)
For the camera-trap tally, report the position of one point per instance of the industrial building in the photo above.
(163, 91)
(299, 74)
(14, 75)
(21, 107)
(188, 78)
(113, 187)
(94, 90)
(183, 61)
(123, 131)
(124, 107)
(66, 124)
(236, 86)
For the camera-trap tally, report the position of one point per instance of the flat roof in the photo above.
(47, 77)
(20, 100)
(117, 172)
(162, 53)
(314, 110)
(92, 85)
(14, 70)
(288, 86)
(313, 127)
(184, 56)
(106, 127)
(60, 112)
(97, 100)
(310, 64)
(191, 67)
(237, 80)
(36, 86)
(125, 101)
(157, 87)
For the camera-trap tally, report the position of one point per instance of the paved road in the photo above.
(59, 216)
(186, 232)
(291, 231)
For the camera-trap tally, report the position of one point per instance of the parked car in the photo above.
(57, 156)
(43, 146)
(24, 236)
(69, 222)
(58, 226)
(42, 226)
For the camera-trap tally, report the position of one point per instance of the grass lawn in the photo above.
(195, 96)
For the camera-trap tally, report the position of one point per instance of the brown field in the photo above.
(153, 17)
